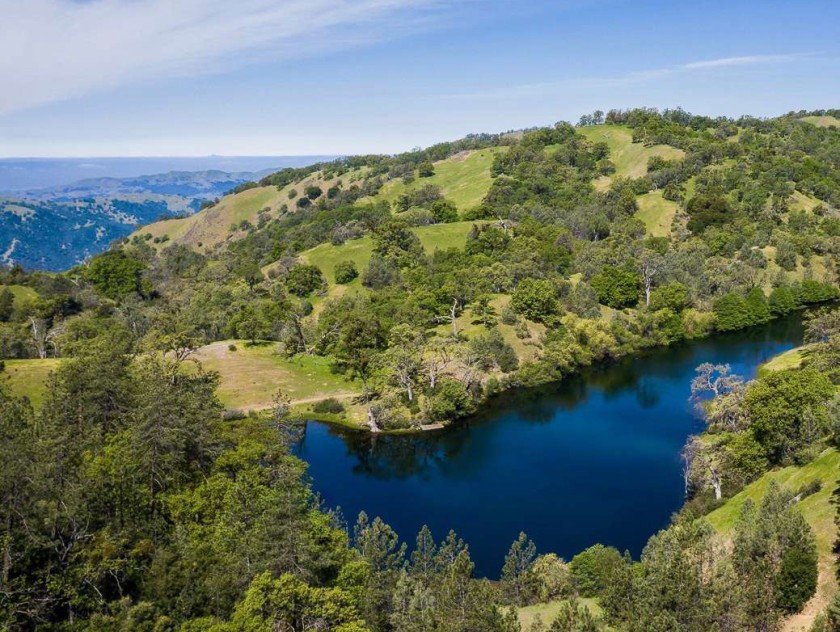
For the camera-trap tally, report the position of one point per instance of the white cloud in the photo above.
(738, 61)
(627, 79)
(58, 49)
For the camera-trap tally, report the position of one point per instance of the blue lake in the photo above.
(594, 459)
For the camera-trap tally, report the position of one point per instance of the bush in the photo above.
(450, 400)
(330, 406)
(593, 568)
(673, 296)
(491, 350)
(304, 202)
(616, 287)
(380, 273)
(426, 170)
(707, 210)
(782, 300)
(313, 192)
(535, 299)
(796, 581)
(231, 347)
(345, 272)
(304, 279)
(731, 313)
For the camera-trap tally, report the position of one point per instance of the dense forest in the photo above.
(134, 498)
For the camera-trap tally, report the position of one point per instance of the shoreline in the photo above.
(483, 406)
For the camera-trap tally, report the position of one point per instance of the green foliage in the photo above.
(732, 312)
(345, 272)
(707, 210)
(313, 192)
(304, 279)
(616, 287)
(673, 296)
(516, 571)
(796, 582)
(535, 299)
(426, 170)
(491, 351)
(782, 300)
(449, 400)
(114, 274)
(787, 410)
(593, 569)
(7, 302)
(758, 310)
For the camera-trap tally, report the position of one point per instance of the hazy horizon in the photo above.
(22, 174)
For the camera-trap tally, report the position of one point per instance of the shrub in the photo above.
(304, 202)
(450, 400)
(313, 192)
(707, 210)
(345, 272)
(731, 313)
(231, 347)
(593, 568)
(796, 581)
(330, 405)
(304, 279)
(616, 287)
(673, 296)
(492, 350)
(426, 170)
(782, 300)
(535, 299)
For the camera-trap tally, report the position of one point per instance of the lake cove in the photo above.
(593, 459)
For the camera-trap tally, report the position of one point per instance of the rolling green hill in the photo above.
(822, 121)
(463, 178)
(630, 158)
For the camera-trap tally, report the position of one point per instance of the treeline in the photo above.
(130, 504)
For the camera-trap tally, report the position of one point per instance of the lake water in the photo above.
(594, 459)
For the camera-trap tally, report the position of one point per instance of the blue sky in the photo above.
(274, 77)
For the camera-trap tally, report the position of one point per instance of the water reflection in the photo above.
(594, 458)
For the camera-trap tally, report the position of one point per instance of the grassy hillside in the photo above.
(822, 121)
(817, 509)
(657, 213)
(251, 375)
(212, 226)
(463, 178)
(630, 158)
(28, 378)
(436, 236)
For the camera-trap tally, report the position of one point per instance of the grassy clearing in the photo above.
(791, 359)
(822, 121)
(657, 213)
(630, 158)
(799, 201)
(28, 378)
(22, 293)
(546, 612)
(251, 375)
(436, 236)
(464, 178)
(817, 509)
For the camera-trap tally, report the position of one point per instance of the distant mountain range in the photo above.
(56, 227)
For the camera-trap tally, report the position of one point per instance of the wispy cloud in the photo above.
(629, 78)
(746, 60)
(58, 49)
